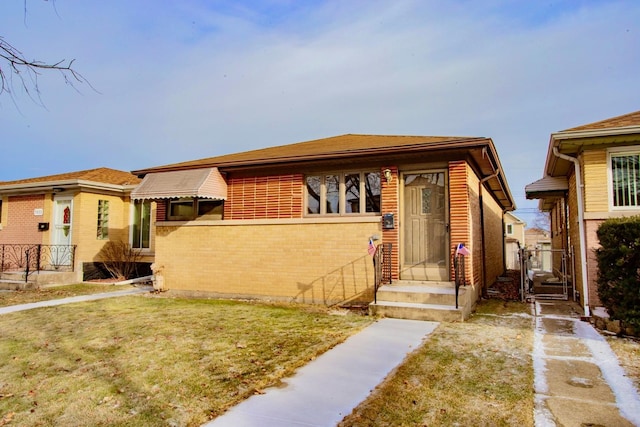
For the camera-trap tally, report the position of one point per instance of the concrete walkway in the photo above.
(70, 300)
(327, 389)
(578, 381)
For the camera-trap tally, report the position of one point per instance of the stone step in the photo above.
(416, 311)
(423, 294)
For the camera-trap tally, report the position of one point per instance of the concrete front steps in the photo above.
(14, 280)
(422, 300)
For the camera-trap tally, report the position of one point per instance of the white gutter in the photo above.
(581, 231)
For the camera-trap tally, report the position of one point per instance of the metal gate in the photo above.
(546, 274)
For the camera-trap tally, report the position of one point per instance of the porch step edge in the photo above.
(416, 305)
(424, 289)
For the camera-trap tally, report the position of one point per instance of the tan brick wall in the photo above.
(319, 263)
(20, 225)
(574, 236)
(594, 171)
(493, 242)
(85, 221)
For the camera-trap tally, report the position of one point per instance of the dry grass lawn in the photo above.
(57, 292)
(477, 373)
(149, 361)
(627, 350)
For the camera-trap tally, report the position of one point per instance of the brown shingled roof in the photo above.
(102, 175)
(325, 148)
(631, 119)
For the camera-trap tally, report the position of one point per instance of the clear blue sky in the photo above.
(182, 80)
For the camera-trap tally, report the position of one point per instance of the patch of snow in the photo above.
(600, 312)
(627, 398)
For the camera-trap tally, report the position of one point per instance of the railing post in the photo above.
(38, 253)
(26, 269)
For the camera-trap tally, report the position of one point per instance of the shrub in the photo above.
(619, 269)
(120, 259)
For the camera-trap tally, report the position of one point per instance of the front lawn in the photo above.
(476, 373)
(148, 361)
(55, 292)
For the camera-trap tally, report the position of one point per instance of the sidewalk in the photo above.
(80, 298)
(577, 378)
(327, 389)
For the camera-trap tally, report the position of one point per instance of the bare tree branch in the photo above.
(18, 71)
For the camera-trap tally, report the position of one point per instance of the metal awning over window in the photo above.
(199, 183)
(549, 186)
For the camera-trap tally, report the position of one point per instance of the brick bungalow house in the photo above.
(67, 218)
(295, 222)
(590, 175)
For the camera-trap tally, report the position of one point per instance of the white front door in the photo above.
(62, 230)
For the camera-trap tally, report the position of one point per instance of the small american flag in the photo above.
(372, 247)
(462, 250)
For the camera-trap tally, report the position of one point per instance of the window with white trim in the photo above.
(509, 229)
(344, 193)
(141, 224)
(102, 229)
(625, 179)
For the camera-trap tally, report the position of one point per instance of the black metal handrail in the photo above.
(459, 273)
(32, 258)
(381, 267)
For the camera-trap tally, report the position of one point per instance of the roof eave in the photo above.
(576, 140)
(63, 185)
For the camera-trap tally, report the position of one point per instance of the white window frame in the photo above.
(132, 222)
(613, 152)
(509, 229)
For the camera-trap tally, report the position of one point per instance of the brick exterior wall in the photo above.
(459, 211)
(389, 203)
(265, 247)
(494, 256)
(20, 225)
(574, 237)
(84, 227)
(318, 263)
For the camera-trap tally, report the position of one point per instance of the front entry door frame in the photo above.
(61, 237)
(424, 225)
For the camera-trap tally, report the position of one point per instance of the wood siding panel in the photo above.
(596, 183)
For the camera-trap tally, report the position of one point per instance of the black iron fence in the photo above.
(31, 258)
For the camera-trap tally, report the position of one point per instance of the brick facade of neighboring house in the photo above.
(578, 190)
(81, 210)
(280, 237)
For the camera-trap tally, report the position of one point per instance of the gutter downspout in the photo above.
(581, 231)
(482, 234)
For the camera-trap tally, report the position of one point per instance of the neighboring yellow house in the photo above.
(514, 239)
(64, 221)
(591, 174)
